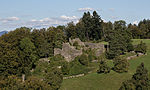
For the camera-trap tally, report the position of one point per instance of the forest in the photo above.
(22, 49)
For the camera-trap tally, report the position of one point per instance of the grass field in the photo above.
(111, 81)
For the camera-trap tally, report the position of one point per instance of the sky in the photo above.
(46, 13)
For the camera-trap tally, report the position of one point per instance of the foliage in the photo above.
(75, 44)
(77, 68)
(142, 30)
(10, 83)
(28, 55)
(71, 30)
(121, 65)
(119, 40)
(91, 54)
(12, 56)
(57, 57)
(54, 78)
(127, 85)
(35, 83)
(83, 59)
(41, 68)
(103, 68)
(65, 68)
(141, 48)
(88, 28)
(139, 81)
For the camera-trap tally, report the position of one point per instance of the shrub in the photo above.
(65, 68)
(77, 68)
(35, 83)
(141, 48)
(78, 47)
(83, 59)
(121, 65)
(57, 57)
(75, 43)
(10, 83)
(54, 78)
(91, 54)
(103, 68)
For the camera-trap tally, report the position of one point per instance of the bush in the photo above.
(91, 54)
(121, 65)
(11, 83)
(35, 83)
(75, 44)
(110, 55)
(77, 68)
(130, 47)
(103, 68)
(57, 57)
(54, 78)
(141, 48)
(65, 68)
(83, 59)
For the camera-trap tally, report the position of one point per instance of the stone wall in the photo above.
(70, 52)
(97, 46)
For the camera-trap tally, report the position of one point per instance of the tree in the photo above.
(117, 45)
(11, 57)
(87, 22)
(107, 30)
(80, 29)
(119, 40)
(135, 31)
(120, 25)
(139, 81)
(71, 30)
(121, 65)
(103, 68)
(43, 48)
(96, 31)
(28, 55)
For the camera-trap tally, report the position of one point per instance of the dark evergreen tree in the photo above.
(87, 22)
(119, 40)
(96, 30)
(141, 79)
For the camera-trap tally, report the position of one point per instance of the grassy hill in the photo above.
(111, 81)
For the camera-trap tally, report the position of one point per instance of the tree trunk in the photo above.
(23, 77)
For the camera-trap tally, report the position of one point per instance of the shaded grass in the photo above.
(110, 81)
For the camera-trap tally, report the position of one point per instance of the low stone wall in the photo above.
(73, 76)
(134, 56)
